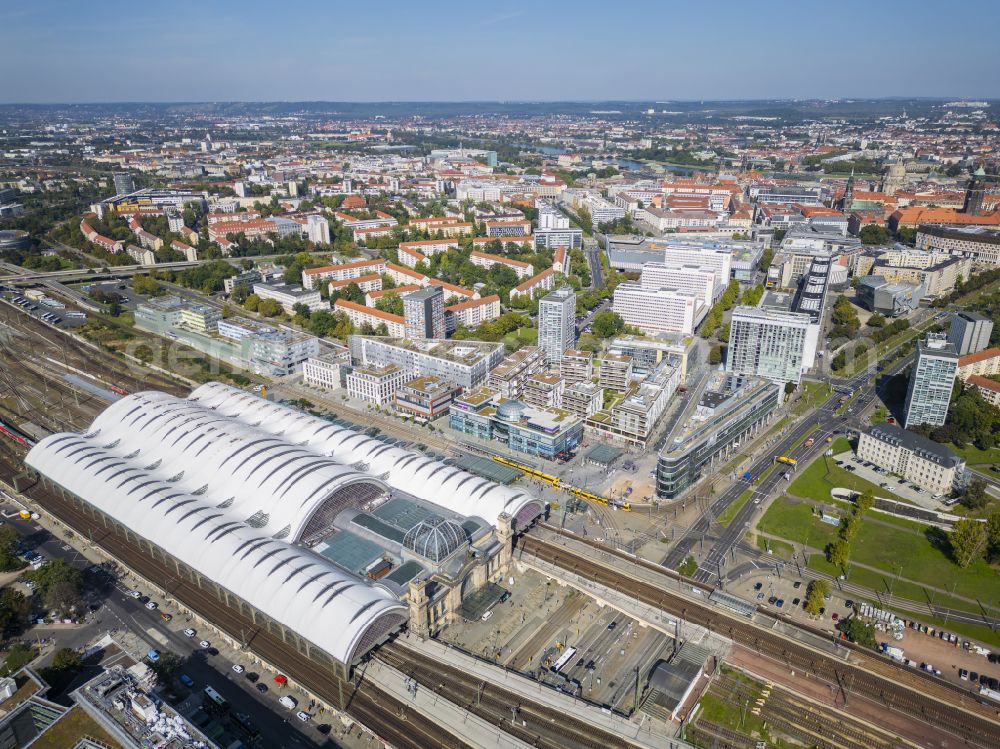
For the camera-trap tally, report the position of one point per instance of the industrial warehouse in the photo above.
(329, 538)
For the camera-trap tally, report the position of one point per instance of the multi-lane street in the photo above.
(821, 423)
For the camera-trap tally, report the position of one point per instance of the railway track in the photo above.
(534, 724)
(906, 692)
(797, 718)
(365, 702)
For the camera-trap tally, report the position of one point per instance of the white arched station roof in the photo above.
(258, 477)
(117, 468)
(409, 471)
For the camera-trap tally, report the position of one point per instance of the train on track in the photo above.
(16, 435)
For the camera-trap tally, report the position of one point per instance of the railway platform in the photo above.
(475, 731)
(647, 734)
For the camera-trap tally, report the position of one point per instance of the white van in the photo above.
(289, 702)
(487, 615)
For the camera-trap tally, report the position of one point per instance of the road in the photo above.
(593, 252)
(825, 422)
(120, 611)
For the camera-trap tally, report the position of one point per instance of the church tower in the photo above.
(895, 177)
(848, 193)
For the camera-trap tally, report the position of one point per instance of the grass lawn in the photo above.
(796, 522)
(976, 457)
(816, 481)
(777, 548)
(810, 394)
(688, 567)
(727, 515)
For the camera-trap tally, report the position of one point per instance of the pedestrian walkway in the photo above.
(449, 716)
(646, 733)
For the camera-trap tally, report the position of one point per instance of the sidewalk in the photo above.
(643, 734)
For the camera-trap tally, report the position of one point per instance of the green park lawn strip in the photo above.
(727, 515)
(777, 548)
(813, 394)
(976, 457)
(795, 521)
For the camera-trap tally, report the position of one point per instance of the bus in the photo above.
(785, 459)
(562, 660)
(215, 696)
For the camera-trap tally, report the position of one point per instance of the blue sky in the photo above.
(380, 50)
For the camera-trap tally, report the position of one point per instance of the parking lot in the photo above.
(894, 486)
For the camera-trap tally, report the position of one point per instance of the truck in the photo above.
(893, 652)
(809, 442)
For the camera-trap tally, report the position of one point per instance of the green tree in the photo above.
(607, 324)
(9, 542)
(391, 303)
(724, 333)
(167, 668)
(975, 496)
(53, 572)
(586, 220)
(876, 321)
(14, 609)
(269, 308)
(859, 632)
(839, 552)
(63, 597)
(146, 286)
(968, 540)
(993, 534)
(818, 589)
(301, 310)
(715, 355)
(865, 501)
(66, 659)
(251, 303)
(874, 234)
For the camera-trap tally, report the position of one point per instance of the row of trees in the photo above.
(713, 320)
(971, 420)
(839, 552)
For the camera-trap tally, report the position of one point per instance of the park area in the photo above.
(890, 556)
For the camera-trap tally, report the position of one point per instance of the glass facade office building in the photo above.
(740, 406)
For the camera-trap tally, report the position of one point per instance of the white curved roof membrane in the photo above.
(186, 479)
(431, 480)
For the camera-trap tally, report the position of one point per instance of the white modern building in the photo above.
(375, 385)
(464, 363)
(288, 295)
(767, 343)
(557, 323)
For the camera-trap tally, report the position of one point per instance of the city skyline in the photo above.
(250, 52)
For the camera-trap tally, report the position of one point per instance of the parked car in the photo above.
(189, 632)
(205, 644)
(186, 680)
(151, 605)
(238, 668)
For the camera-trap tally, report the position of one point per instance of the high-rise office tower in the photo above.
(423, 312)
(769, 343)
(931, 381)
(557, 323)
